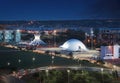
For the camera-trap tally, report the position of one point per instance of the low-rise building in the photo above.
(109, 36)
(110, 52)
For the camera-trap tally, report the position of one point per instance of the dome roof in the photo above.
(73, 45)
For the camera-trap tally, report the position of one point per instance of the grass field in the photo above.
(12, 57)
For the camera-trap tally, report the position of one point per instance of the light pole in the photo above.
(102, 75)
(113, 60)
(68, 71)
(54, 33)
(19, 61)
(8, 63)
(47, 71)
(33, 59)
(92, 34)
(52, 60)
(114, 67)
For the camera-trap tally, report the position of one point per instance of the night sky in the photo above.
(59, 9)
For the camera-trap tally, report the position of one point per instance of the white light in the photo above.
(37, 40)
(102, 69)
(114, 66)
(53, 57)
(68, 70)
(47, 70)
(37, 37)
(33, 59)
(74, 45)
(8, 63)
(19, 60)
(18, 30)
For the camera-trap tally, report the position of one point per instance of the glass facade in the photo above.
(10, 36)
(1, 36)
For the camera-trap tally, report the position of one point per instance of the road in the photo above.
(23, 72)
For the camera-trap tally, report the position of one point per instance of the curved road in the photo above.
(23, 72)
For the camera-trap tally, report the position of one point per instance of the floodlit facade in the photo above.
(74, 45)
(37, 40)
(110, 52)
(10, 36)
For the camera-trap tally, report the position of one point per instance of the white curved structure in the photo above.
(37, 40)
(74, 45)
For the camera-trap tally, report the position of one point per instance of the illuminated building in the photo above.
(110, 52)
(37, 40)
(10, 36)
(109, 35)
(73, 45)
(1, 36)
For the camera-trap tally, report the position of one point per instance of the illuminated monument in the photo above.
(37, 40)
(74, 45)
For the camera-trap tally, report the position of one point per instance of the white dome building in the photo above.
(73, 45)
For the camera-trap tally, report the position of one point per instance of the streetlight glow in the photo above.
(8, 63)
(102, 75)
(19, 60)
(68, 71)
(53, 60)
(47, 72)
(33, 58)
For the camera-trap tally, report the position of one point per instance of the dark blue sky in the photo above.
(58, 9)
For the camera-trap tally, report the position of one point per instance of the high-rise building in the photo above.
(10, 36)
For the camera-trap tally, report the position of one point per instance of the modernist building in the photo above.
(10, 36)
(110, 52)
(37, 40)
(73, 45)
(109, 35)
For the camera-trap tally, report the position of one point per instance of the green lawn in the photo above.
(40, 59)
(26, 59)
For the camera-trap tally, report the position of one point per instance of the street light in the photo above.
(47, 71)
(19, 61)
(33, 59)
(68, 71)
(114, 67)
(52, 60)
(92, 34)
(8, 63)
(113, 60)
(102, 75)
(54, 33)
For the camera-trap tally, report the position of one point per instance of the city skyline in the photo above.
(59, 9)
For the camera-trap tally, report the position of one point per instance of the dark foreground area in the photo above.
(65, 76)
